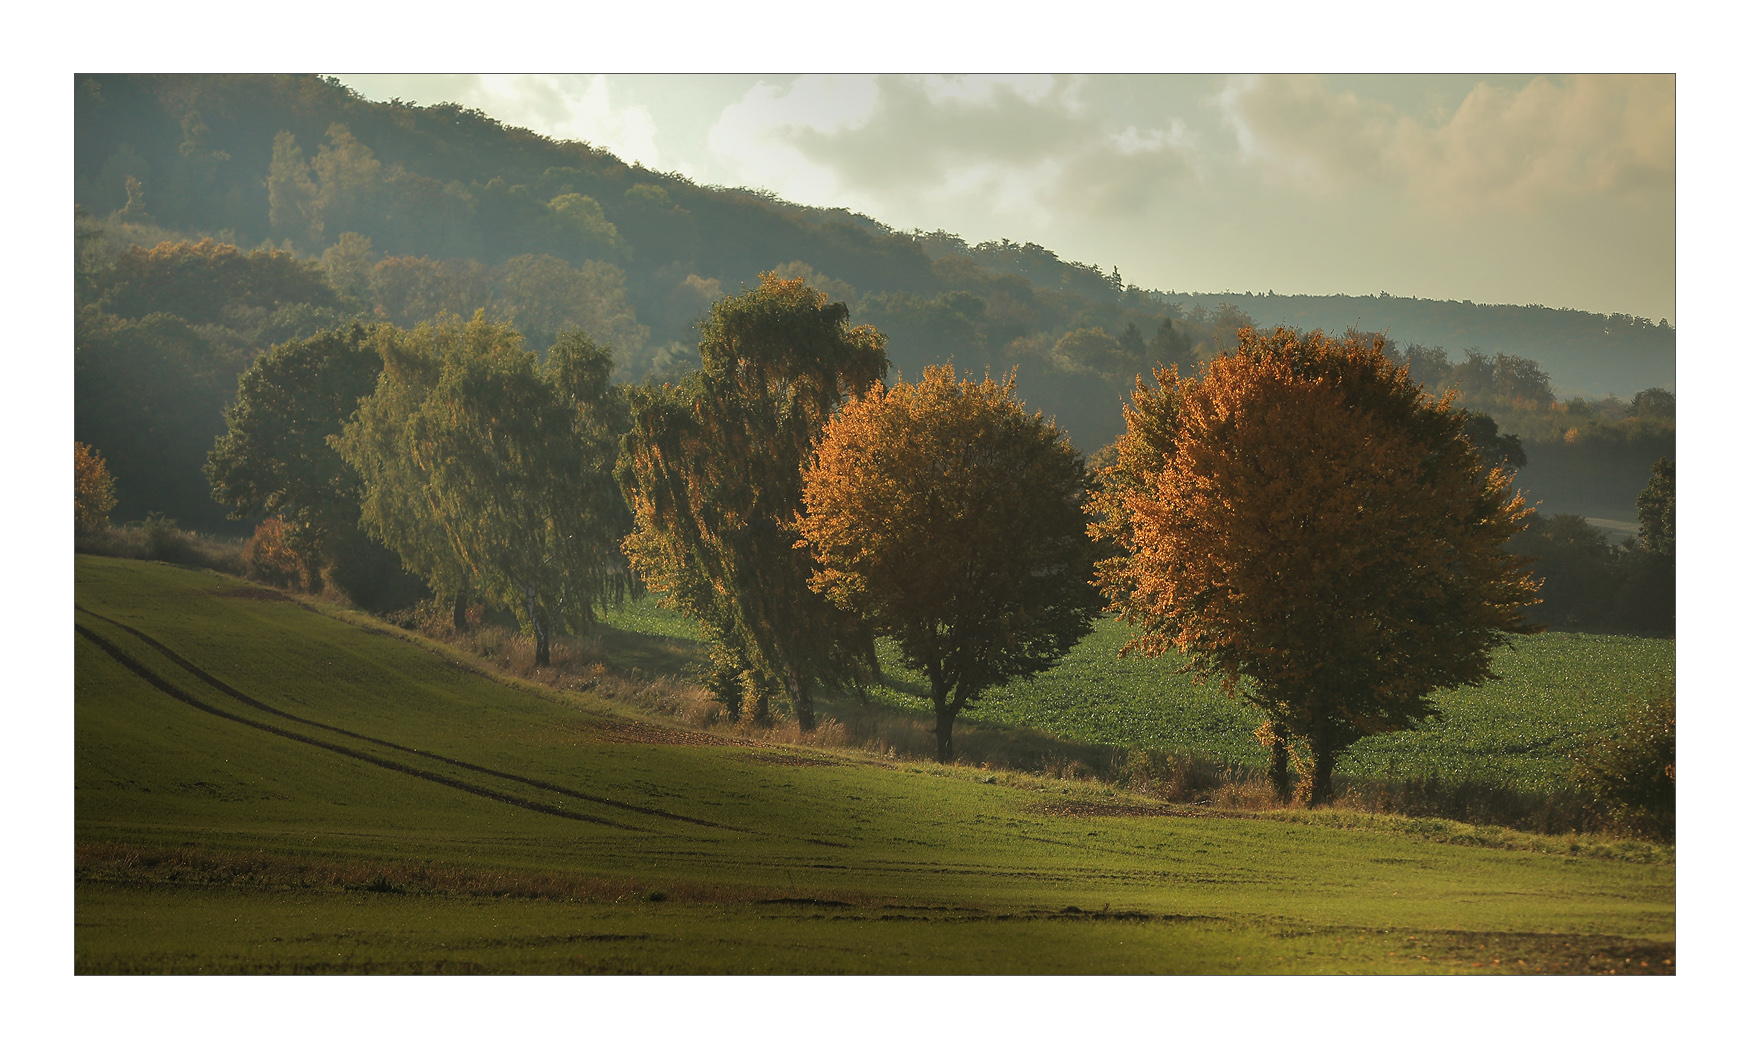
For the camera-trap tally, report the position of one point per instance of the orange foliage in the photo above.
(93, 489)
(270, 558)
(1302, 520)
(951, 519)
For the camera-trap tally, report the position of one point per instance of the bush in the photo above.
(1177, 778)
(164, 541)
(267, 558)
(1633, 774)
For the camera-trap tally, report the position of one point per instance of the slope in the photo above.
(261, 788)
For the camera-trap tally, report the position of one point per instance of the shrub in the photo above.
(1633, 774)
(267, 558)
(164, 541)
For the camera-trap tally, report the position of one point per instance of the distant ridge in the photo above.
(1584, 353)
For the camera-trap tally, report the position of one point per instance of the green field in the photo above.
(264, 788)
(1557, 693)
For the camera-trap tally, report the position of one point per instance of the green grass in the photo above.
(348, 800)
(1557, 693)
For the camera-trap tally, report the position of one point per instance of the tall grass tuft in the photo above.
(159, 539)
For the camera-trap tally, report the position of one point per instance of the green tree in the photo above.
(1656, 507)
(713, 472)
(291, 193)
(951, 520)
(1301, 520)
(513, 461)
(275, 459)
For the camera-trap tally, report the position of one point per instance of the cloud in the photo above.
(575, 106)
(1500, 149)
(1026, 144)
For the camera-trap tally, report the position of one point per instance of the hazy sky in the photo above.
(1519, 189)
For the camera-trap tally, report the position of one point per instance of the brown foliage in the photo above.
(1303, 520)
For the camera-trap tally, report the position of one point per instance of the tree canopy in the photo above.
(1307, 526)
(713, 472)
(275, 460)
(486, 469)
(951, 520)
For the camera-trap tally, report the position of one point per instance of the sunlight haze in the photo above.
(1556, 190)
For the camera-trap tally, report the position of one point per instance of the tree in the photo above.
(274, 459)
(1656, 507)
(713, 472)
(93, 489)
(1303, 521)
(508, 461)
(951, 520)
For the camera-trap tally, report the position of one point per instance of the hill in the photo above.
(263, 788)
(399, 212)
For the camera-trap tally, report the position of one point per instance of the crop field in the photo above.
(1556, 694)
(263, 788)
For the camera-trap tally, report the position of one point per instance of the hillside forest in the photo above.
(220, 218)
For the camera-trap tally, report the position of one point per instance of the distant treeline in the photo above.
(1592, 354)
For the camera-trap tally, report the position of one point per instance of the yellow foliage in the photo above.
(93, 489)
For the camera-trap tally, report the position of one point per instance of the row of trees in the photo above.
(1300, 519)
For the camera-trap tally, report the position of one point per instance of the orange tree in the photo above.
(93, 489)
(1310, 528)
(712, 469)
(951, 520)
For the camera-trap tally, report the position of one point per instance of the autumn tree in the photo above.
(951, 520)
(93, 489)
(504, 466)
(1310, 528)
(713, 472)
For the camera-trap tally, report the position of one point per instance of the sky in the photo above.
(1550, 189)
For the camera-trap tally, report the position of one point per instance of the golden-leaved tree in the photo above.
(1310, 528)
(951, 520)
(93, 489)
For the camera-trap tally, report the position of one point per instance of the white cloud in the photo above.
(561, 106)
(1512, 149)
(1023, 146)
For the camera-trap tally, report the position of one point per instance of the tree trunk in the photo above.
(1280, 782)
(538, 624)
(944, 733)
(1315, 787)
(459, 611)
(803, 701)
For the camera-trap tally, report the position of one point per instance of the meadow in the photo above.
(263, 785)
(1556, 694)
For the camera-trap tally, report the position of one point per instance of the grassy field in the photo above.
(1557, 693)
(264, 788)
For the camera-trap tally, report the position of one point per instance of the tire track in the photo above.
(244, 698)
(177, 693)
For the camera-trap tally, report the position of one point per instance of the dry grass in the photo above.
(159, 539)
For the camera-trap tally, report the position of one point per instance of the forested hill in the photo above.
(1584, 353)
(343, 208)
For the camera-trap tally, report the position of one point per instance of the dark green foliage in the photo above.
(1633, 773)
(1494, 448)
(1656, 507)
(713, 472)
(275, 459)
